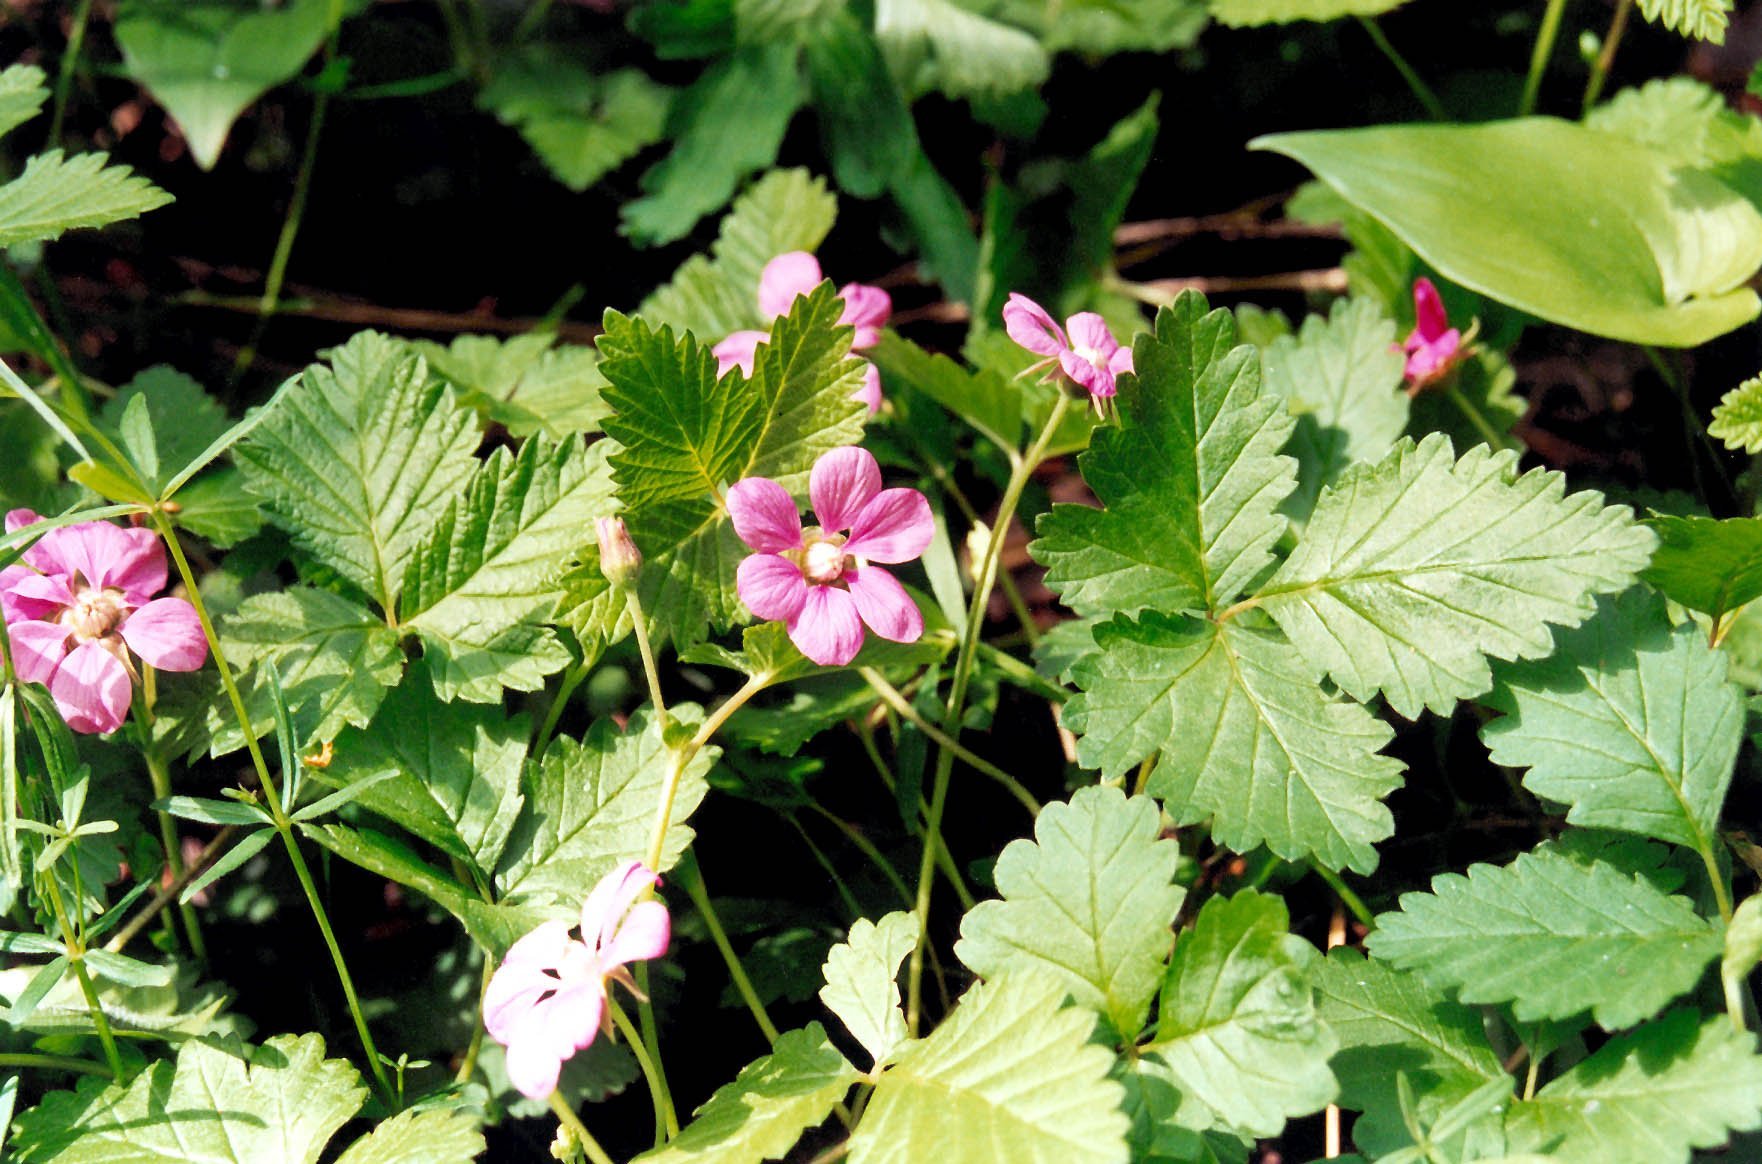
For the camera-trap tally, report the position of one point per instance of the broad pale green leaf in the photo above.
(519, 658)
(1246, 13)
(1191, 478)
(769, 1105)
(359, 459)
(23, 89)
(523, 384)
(57, 193)
(1647, 1096)
(1341, 378)
(862, 981)
(1695, 19)
(1247, 739)
(1089, 901)
(1553, 936)
(1415, 569)
(1630, 723)
(1581, 228)
(582, 125)
(1690, 123)
(1707, 565)
(942, 46)
(687, 436)
(1737, 418)
(982, 398)
(1007, 1076)
(281, 1101)
(592, 804)
(1237, 1031)
(205, 61)
(433, 1137)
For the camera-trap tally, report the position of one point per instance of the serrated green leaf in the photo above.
(862, 981)
(1416, 569)
(1695, 19)
(942, 46)
(764, 1111)
(1707, 565)
(23, 89)
(433, 1137)
(1007, 1076)
(520, 658)
(1101, 28)
(1647, 1096)
(56, 194)
(1341, 378)
(982, 398)
(523, 383)
(1737, 418)
(359, 459)
(1246, 738)
(1191, 479)
(582, 125)
(216, 506)
(1552, 936)
(1248, 13)
(1630, 723)
(281, 1101)
(1089, 901)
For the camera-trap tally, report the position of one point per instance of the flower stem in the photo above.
(892, 698)
(1544, 49)
(52, 1063)
(76, 956)
(1422, 92)
(160, 777)
(649, 670)
(666, 1121)
(567, 1117)
(683, 756)
(1344, 892)
(468, 1064)
(689, 874)
(1606, 57)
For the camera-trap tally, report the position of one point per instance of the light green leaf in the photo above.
(206, 61)
(1191, 478)
(862, 982)
(1102, 28)
(56, 194)
(184, 419)
(1630, 723)
(1707, 565)
(1581, 228)
(1247, 739)
(1091, 901)
(942, 46)
(1341, 378)
(1695, 19)
(582, 125)
(217, 506)
(522, 383)
(1247, 13)
(1007, 1076)
(1737, 418)
(1553, 936)
(23, 89)
(982, 398)
(1415, 569)
(1743, 942)
(433, 1137)
(762, 1114)
(1647, 1096)
(360, 459)
(221, 1103)
(1691, 124)
(520, 658)
(1237, 1030)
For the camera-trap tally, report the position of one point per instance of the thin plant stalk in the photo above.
(160, 778)
(1606, 56)
(892, 698)
(1546, 35)
(700, 897)
(76, 39)
(567, 1117)
(666, 1121)
(639, 626)
(1422, 92)
(52, 1063)
(76, 956)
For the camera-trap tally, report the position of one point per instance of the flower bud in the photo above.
(620, 560)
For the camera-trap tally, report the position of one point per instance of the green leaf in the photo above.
(217, 506)
(458, 768)
(1191, 479)
(1695, 19)
(582, 125)
(1102, 28)
(359, 460)
(1341, 378)
(1630, 723)
(1007, 1076)
(726, 126)
(433, 1137)
(1415, 569)
(1553, 936)
(1090, 901)
(1581, 228)
(1737, 418)
(1743, 944)
(1248, 13)
(1691, 124)
(762, 1114)
(982, 398)
(1246, 738)
(522, 383)
(1647, 1096)
(56, 194)
(184, 420)
(23, 90)
(207, 61)
(281, 1101)
(1707, 565)
(590, 805)
(686, 436)
(864, 120)
(249, 846)
(862, 982)
(942, 46)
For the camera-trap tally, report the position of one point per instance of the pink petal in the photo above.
(772, 587)
(738, 351)
(785, 277)
(37, 649)
(1427, 360)
(91, 689)
(533, 1069)
(884, 604)
(870, 392)
(40, 554)
(895, 527)
(167, 634)
(644, 934)
(610, 900)
(764, 515)
(842, 482)
(105, 555)
(1120, 361)
(828, 629)
(1428, 309)
(523, 978)
(866, 308)
(1096, 381)
(17, 519)
(24, 593)
(1028, 324)
(1089, 334)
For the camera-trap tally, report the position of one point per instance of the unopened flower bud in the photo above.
(620, 560)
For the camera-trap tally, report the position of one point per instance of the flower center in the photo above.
(823, 562)
(1091, 355)
(95, 613)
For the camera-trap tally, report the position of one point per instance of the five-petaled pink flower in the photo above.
(819, 580)
(79, 603)
(1084, 349)
(796, 273)
(547, 1000)
(1433, 346)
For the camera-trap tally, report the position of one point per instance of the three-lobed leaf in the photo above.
(862, 986)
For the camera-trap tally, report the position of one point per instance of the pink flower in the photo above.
(81, 601)
(547, 1000)
(796, 273)
(1084, 349)
(819, 580)
(1433, 346)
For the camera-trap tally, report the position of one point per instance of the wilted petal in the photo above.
(1428, 310)
(611, 897)
(828, 629)
(772, 587)
(37, 649)
(842, 482)
(884, 604)
(894, 527)
(91, 689)
(1029, 325)
(870, 392)
(644, 934)
(784, 277)
(24, 593)
(866, 308)
(1090, 336)
(764, 515)
(167, 634)
(738, 351)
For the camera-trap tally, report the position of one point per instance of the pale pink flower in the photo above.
(1084, 349)
(81, 600)
(547, 1000)
(1433, 346)
(819, 580)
